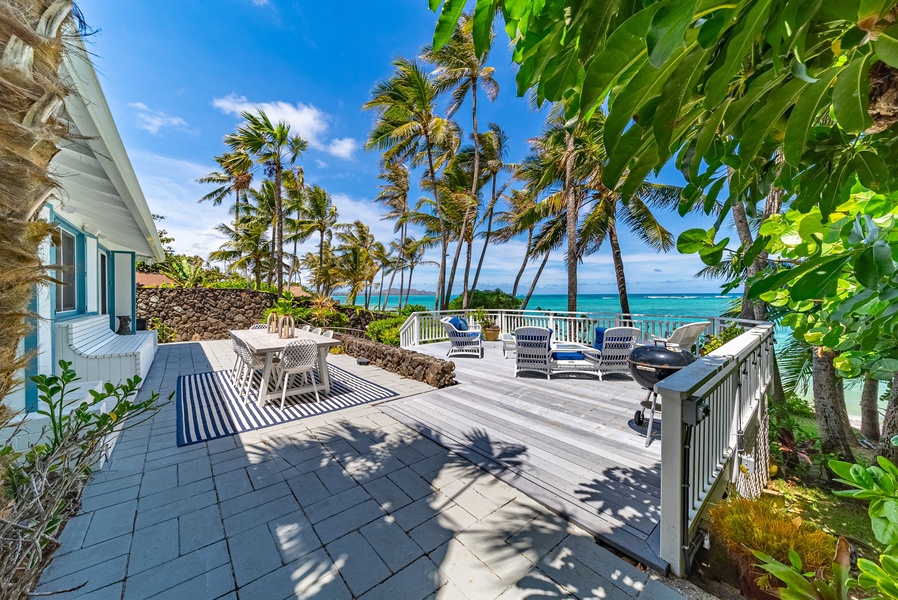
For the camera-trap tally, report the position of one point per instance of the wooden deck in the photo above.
(570, 443)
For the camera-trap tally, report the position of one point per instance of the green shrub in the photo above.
(489, 299)
(164, 333)
(411, 308)
(713, 342)
(386, 331)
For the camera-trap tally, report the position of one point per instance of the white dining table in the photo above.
(259, 341)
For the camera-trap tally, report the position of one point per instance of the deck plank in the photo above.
(569, 443)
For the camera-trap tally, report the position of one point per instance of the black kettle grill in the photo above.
(649, 365)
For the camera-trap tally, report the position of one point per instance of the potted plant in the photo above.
(487, 324)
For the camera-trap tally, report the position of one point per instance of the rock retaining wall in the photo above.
(201, 313)
(433, 371)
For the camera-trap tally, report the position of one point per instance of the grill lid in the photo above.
(665, 357)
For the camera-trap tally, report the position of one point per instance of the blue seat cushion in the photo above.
(462, 324)
(600, 337)
(568, 356)
(455, 322)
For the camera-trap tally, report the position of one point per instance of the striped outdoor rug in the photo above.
(209, 407)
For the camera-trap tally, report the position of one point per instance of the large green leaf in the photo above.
(484, 15)
(767, 116)
(804, 115)
(820, 282)
(768, 282)
(712, 255)
(850, 96)
(675, 92)
(668, 29)
(693, 240)
(873, 264)
(447, 21)
(624, 49)
(872, 171)
(886, 46)
(562, 76)
(737, 48)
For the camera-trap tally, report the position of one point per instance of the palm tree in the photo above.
(317, 215)
(273, 146)
(295, 186)
(235, 177)
(394, 195)
(31, 89)
(384, 261)
(460, 71)
(571, 159)
(494, 144)
(407, 126)
(515, 221)
(246, 248)
(356, 237)
(413, 250)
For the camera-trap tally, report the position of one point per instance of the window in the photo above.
(66, 292)
(104, 285)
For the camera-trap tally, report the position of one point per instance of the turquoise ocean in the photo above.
(650, 304)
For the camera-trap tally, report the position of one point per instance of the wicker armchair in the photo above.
(462, 341)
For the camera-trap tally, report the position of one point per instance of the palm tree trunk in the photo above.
(870, 410)
(380, 292)
(32, 84)
(571, 202)
(279, 216)
(401, 287)
(486, 236)
(411, 271)
(389, 289)
(476, 181)
(444, 240)
(539, 272)
(468, 256)
(517, 280)
(886, 448)
(618, 268)
(320, 279)
(448, 297)
(829, 406)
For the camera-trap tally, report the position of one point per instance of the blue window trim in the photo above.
(31, 349)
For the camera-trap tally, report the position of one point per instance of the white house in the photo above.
(104, 226)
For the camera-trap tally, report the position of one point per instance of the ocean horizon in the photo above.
(670, 304)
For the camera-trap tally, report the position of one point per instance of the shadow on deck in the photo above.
(570, 443)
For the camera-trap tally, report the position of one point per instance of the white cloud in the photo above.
(342, 147)
(260, 2)
(307, 120)
(155, 120)
(320, 164)
(170, 187)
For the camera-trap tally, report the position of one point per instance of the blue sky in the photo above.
(176, 75)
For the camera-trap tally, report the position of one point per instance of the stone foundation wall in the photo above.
(360, 319)
(433, 371)
(201, 313)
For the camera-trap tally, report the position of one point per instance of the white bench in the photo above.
(96, 352)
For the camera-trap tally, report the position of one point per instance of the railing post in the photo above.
(673, 484)
(417, 329)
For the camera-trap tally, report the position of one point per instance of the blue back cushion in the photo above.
(600, 337)
(550, 335)
(462, 324)
(454, 321)
(567, 356)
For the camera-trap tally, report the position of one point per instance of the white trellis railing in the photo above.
(713, 412)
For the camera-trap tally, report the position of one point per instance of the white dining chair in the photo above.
(299, 358)
(258, 326)
(317, 331)
(328, 334)
(251, 362)
(306, 328)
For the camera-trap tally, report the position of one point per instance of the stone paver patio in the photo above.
(349, 504)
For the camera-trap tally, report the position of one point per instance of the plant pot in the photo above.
(491, 334)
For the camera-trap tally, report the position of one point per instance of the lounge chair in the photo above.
(685, 336)
(616, 345)
(533, 347)
(463, 338)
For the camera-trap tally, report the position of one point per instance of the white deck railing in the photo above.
(425, 328)
(713, 412)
